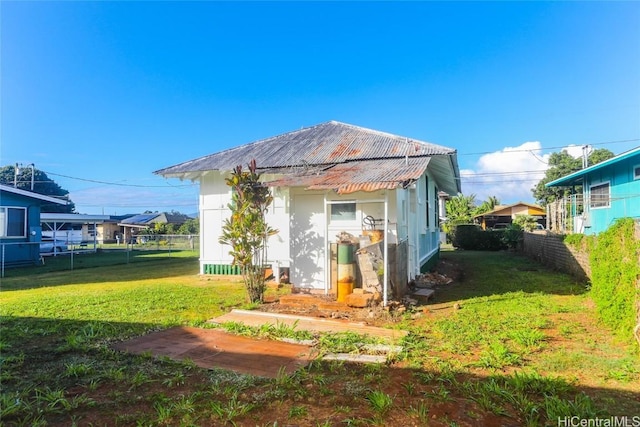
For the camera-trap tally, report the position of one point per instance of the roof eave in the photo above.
(575, 177)
(33, 195)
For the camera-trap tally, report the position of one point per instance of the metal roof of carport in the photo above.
(71, 218)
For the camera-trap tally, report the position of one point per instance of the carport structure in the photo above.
(64, 226)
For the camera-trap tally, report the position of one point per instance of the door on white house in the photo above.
(308, 253)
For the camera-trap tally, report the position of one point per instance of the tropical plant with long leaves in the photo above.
(460, 209)
(246, 230)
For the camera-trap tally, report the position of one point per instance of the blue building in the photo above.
(20, 230)
(610, 190)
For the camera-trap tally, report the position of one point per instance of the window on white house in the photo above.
(13, 222)
(426, 198)
(436, 218)
(599, 196)
(343, 211)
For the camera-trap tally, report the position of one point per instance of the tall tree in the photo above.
(42, 184)
(562, 164)
(246, 231)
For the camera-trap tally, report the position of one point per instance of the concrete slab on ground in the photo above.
(424, 293)
(316, 324)
(211, 348)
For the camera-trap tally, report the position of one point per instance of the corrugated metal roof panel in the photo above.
(324, 144)
(365, 175)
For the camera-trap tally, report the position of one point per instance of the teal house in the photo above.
(610, 190)
(20, 230)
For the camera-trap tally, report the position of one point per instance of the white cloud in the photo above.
(574, 151)
(508, 174)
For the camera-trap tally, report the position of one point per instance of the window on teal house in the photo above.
(13, 222)
(599, 196)
(636, 172)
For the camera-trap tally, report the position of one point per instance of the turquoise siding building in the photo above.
(610, 190)
(20, 230)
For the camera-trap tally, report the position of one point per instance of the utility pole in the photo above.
(585, 156)
(33, 172)
(16, 171)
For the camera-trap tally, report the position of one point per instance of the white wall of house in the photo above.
(215, 195)
(306, 225)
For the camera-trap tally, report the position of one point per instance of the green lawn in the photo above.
(510, 343)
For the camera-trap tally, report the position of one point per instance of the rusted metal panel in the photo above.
(365, 175)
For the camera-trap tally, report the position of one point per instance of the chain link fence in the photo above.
(57, 255)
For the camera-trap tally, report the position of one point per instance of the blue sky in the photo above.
(101, 94)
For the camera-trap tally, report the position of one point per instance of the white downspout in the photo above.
(386, 250)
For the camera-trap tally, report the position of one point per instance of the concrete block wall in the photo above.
(550, 250)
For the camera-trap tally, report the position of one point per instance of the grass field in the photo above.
(510, 343)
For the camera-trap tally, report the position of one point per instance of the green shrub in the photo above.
(512, 236)
(614, 277)
(464, 236)
(472, 237)
(525, 222)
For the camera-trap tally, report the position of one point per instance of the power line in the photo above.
(126, 205)
(496, 182)
(499, 173)
(550, 148)
(118, 183)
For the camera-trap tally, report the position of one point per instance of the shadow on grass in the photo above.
(57, 371)
(489, 274)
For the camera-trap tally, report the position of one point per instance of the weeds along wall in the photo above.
(615, 269)
(610, 261)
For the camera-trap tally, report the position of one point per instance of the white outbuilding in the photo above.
(327, 179)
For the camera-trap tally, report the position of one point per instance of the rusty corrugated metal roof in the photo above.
(333, 147)
(324, 144)
(364, 175)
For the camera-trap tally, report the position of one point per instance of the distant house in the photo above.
(326, 179)
(505, 214)
(610, 190)
(20, 230)
(136, 224)
(110, 230)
